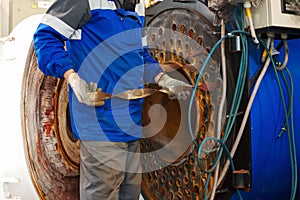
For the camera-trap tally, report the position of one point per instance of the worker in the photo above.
(98, 45)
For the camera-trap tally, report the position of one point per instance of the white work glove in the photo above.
(81, 89)
(176, 87)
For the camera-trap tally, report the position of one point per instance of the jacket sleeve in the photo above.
(61, 22)
(51, 55)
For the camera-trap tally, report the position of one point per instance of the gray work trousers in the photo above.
(110, 170)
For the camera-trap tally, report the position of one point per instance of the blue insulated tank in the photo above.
(272, 169)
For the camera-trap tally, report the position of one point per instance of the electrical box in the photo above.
(277, 16)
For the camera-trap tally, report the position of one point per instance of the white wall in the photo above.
(4, 17)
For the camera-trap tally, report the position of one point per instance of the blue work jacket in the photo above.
(103, 44)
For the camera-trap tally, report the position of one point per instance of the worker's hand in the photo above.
(93, 101)
(81, 89)
(177, 88)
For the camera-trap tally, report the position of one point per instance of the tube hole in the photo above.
(174, 27)
(193, 174)
(191, 33)
(160, 31)
(153, 37)
(163, 179)
(155, 185)
(199, 40)
(182, 28)
(173, 171)
(171, 195)
(170, 182)
(192, 161)
(185, 180)
(196, 190)
(179, 171)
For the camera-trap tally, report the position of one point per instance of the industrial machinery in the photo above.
(183, 33)
(234, 138)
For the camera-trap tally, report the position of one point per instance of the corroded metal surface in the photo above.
(181, 39)
(52, 156)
